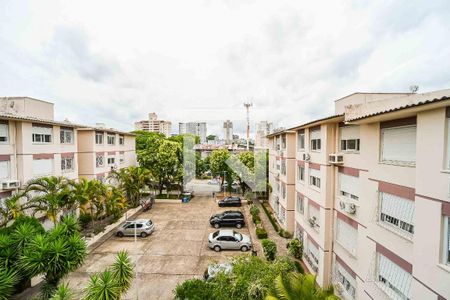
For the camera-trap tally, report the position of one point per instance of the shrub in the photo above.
(270, 249)
(254, 210)
(284, 233)
(250, 202)
(299, 267)
(193, 289)
(84, 220)
(295, 248)
(256, 219)
(271, 218)
(249, 195)
(261, 233)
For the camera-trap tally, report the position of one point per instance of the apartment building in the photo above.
(102, 150)
(372, 195)
(263, 129)
(194, 128)
(153, 124)
(228, 131)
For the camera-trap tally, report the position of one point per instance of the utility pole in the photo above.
(247, 107)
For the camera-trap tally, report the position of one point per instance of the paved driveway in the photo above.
(176, 251)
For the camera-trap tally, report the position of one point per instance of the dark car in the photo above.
(228, 218)
(230, 201)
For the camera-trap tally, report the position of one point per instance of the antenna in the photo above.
(247, 106)
(413, 88)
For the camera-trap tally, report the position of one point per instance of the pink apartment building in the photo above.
(372, 195)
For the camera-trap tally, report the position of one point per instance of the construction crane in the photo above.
(247, 107)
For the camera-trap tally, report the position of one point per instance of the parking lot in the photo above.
(176, 251)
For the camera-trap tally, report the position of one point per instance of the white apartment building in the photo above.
(154, 125)
(194, 128)
(263, 129)
(372, 195)
(228, 131)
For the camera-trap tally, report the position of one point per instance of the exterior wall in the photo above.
(25, 106)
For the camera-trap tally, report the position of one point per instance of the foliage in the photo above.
(131, 182)
(12, 209)
(217, 161)
(250, 278)
(115, 202)
(63, 293)
(254, 210)
(113, 282)
(54, 254)
(284, 233)
(8, 281)
(269, 248)
(261, 233)
(211, 137)
(295, 248)
(299, 286)
(271, 218)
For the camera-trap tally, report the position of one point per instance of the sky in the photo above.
(116, 61)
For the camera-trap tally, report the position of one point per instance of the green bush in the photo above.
(284, 233)
(254, 210)
(261, 233)
(84, 220)
(193, 289)
(270, 249)
(256, 219)
(249, 202)
(271, 218)
(295, 248)
(299, 267)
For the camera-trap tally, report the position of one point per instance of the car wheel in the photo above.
(238, 225)
(216, 225)
(244, 248)
(143, 234)
(217, 248)
(120, 234)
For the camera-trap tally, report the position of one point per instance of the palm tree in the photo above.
(8, 281)
(51, 196)
(11, 208)
(299, 286)
(131, 181)
(113, 282)
(63, 293)
(115, 202)
(80, 193)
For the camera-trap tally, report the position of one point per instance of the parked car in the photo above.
(228, 218)
(230, 201)
(213, 181)
(214, 269)
(142, 228)
(229, 240)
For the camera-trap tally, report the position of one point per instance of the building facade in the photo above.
(228, 131)
(372, 195)
(263, 129)
(153, 124)
(194, 128)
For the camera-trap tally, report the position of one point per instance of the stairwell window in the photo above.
(66, 135)
(301, 140)
(283, 166)
(301, 173)
(283, 141)
(315, 141)
(392, 279)
(349, 138)
(283, 191)
(398, 141)
(397, 214)
(4, 132)
(42, 134)
(300, 203)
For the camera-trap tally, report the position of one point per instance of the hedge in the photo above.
(261, 233)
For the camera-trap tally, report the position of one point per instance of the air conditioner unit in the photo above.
(312, 221)
(10, 184)
(336, 159)
(306, 157)
(351, 208)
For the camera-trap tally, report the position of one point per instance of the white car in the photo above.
(213, 181)
(214, 269)
(229, 240)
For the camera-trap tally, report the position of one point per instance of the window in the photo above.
(42, 167)
(121, 158)
(111, 139)
(99, 138)
(299, 232)
(398, 144)
(278, 143)
(111, 160)
(312, 256)
(301, 141)
(301, 173)
(4, 132)
(42, 134)
(283, 166)
(121, 139)
(346, 280)
(67, 164)
(446, 244)
(349, 136)
(392, 279)
(313, 216)
(315, 142)
(99, 161)
(282, 215)
(283, 141)
(4, 170)
(348, 186)
(397, 213)
(346, 235)
(300, 203)
(66, 136)
(314, 177)
(283, 191)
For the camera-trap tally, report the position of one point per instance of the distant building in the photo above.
(228, 131)
(154, 125)
(263, 128)
(235, 136)
(194, 128)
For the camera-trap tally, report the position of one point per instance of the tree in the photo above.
(217, 162)
(270, 249)
(11, 209)
(145, 139)
(54, 254)
(115, 202)
(248, 159)
(51, 195)
(299, 286)
(113, 282)
(211, 137)
(8, 281)
(132, 181)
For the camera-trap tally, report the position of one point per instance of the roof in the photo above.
(406, 106)
(87, 128)
(373, 93)
(26, 97)
(38, 120)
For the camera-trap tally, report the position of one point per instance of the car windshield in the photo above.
(238, 236)
(149, 223)
(215, 234)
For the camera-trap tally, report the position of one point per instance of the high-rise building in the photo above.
(263, 128)
(154, 125)
(194, 128)
(366, 190)
(228, 131)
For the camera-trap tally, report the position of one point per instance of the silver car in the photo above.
(142, 228)
(229, 240)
